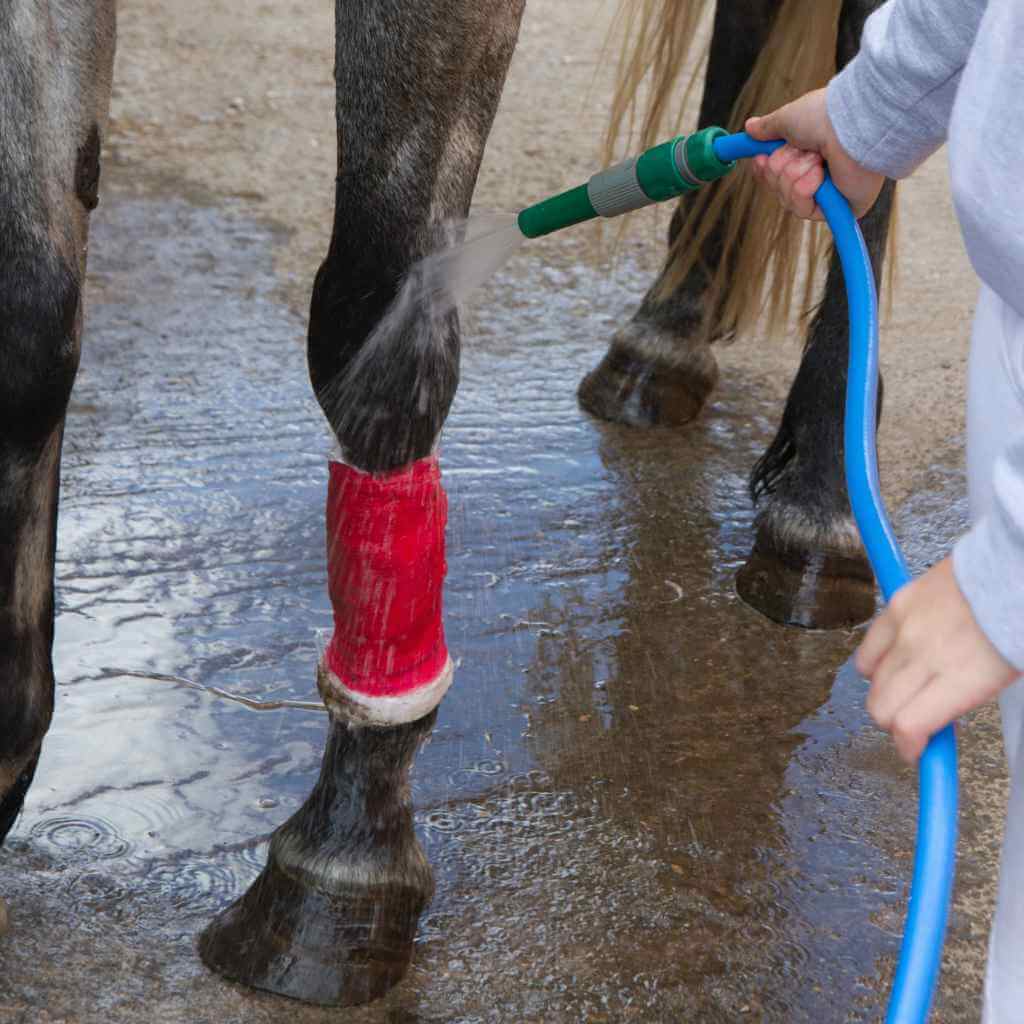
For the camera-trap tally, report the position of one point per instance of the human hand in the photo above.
(928, 661)
(795, 171)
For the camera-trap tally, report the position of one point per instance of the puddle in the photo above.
(643, 801)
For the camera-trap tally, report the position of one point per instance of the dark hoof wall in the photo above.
(333, 916)
(626, 388)
(293, 939)
(816, 590)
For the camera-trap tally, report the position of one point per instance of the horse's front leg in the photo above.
(808, 567)
(55, 68)
(332, 917)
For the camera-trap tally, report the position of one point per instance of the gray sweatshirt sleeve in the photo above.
(988, 562)
(890, 105)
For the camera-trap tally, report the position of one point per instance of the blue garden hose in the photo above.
(935, 857)
(686, 163)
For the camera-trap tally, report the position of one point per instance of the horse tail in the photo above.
(656, 39)
(762, 248)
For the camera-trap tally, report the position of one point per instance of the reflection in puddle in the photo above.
(643, 800)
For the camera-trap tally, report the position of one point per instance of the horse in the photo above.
(332, 917)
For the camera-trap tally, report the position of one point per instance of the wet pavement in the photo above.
(643, 801)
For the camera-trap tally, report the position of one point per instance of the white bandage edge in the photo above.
(363, 709)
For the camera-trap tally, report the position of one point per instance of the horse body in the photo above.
(333, 916)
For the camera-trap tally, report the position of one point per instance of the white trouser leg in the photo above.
(995, 412)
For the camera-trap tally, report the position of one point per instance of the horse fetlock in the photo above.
(333, 916)
(349, 705)
(799, 526)
(651, 375)
(39, 316)
(807, 568)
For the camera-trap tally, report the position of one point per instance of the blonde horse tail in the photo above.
(656, 41)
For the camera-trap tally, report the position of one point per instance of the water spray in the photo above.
(682, 165)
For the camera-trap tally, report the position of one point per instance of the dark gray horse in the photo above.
(333, 916)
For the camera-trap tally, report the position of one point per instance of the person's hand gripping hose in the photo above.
(796, 170)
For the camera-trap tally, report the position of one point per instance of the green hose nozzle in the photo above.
(663, 172)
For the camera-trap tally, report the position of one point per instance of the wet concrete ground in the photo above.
(643, 800)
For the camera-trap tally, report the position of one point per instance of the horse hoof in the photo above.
(798, 586)
(332, 917)
(642, 382)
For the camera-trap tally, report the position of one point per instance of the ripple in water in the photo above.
(253, 858)
(94, 891)
(80, 837)
(200, 886)
(187, 883)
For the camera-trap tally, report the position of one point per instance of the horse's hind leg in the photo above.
(332, 917)
(659, 368)
(808, 567)
(55, 66)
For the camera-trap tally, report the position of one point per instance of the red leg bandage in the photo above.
(387, 661)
